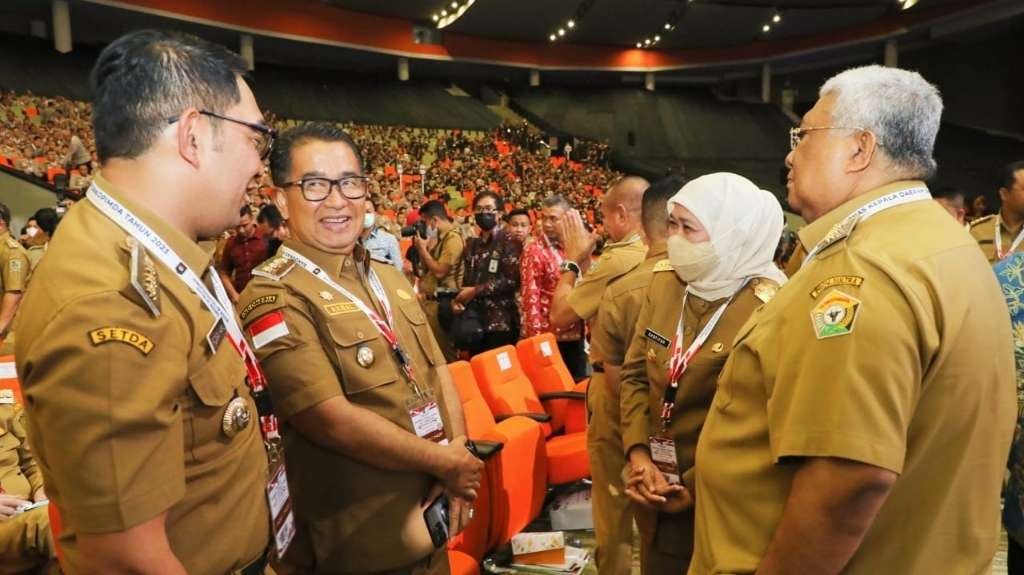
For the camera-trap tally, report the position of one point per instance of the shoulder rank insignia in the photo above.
(663, 266)
(274, 269)
(143, 275)
(836, 234)
(764, 289)
(835, 315)
(982, 219)
(13, 243)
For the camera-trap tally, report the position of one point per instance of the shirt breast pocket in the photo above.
(723, 395)
(413, 313)
(214, 385)
(364, 357)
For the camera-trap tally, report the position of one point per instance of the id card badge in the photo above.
(663, 452)
(426, 419)
(280, 501)
(493, 266)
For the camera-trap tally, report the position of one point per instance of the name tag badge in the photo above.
(493, 266)
(663, 452)
(216, 335)
(656, 337)
(426, 420)
(280, 501)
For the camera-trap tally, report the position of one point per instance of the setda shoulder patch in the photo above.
(843, 280)
(262, 300)
(123, 335)
(835, 315)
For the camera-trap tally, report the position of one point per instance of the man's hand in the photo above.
(462, 474)
(646, 485)
(465, 295)
(459, 514)
(419, 243)
(9, 505)
(578, 242)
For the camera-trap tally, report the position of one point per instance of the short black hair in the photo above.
(434, 209)
(47, 220)
(245, 211)
(946, 192)
(653, 207)
(281, 155)
(556, 200)
(1009, 173)
(143, 79)
(516, 212)
(271, 215)
(5, 214)
(498, 202)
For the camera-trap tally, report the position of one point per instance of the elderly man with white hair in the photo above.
(862, 421)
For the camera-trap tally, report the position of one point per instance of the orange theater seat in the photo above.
(9, 378)
(55, 529)
(462, 564)
(564, 399)
(516, 476)
(508, 392)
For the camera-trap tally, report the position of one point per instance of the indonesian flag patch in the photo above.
(268, 328)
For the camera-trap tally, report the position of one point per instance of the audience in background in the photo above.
(243, 251)
(378, 241)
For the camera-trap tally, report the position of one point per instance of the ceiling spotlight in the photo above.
(570, 24)
(907, 4)
(455, 5)
(657, 38)
(647, 42)
(561, 31)
(668, 26)
(766, 28)
(639, 45)
(444, 13)
(552, 37)
(435, 17)
(777, 18)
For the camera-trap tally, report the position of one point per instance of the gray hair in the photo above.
(556, 200)
(898, 106)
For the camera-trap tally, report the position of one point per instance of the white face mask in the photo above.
(368, 219)
(31, 231)
(691, 262)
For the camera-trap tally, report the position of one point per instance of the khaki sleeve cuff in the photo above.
(871, 450)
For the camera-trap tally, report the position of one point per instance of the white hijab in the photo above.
(744, 223)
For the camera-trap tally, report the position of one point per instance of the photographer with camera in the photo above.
(439, 247)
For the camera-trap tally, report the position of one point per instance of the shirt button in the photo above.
(359, 334)
(348, 263)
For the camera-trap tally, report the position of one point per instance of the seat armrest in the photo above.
(541, 417)
(484, 449)
(562, 395)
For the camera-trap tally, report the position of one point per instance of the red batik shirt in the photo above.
(539, 276)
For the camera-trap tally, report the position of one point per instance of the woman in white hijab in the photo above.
(723, 232)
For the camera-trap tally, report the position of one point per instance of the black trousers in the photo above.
(575, 357)
(1014, 557)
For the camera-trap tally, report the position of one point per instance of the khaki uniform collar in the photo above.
(657, 250)
(631, 239)
(1002, 224)
(335, 264)
(188, 250)
(816, 231)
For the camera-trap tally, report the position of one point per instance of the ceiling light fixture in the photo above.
(907, 4)
(766, 28)
(447, 19)
(570, 24)
(777, 18)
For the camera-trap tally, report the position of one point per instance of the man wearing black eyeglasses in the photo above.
(372, 424)
(138, 405)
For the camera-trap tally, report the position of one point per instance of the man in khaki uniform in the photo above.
(863, 418)
(440, 267)
(363, 465)
(138, 408)
(14, 272)
(609, 338)
(1009, 221)
(25, 541)
(577, 297)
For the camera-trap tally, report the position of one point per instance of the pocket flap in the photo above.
(214, 383)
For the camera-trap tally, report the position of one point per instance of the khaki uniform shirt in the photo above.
(19, 475)
(125, 399)
(890, 348)
(14, 265)
(352, 516)
(447, 251)
(616, 259)
(983, 230)
(35, 255)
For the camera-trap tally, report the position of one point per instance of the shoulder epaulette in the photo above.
(663, 266)
(982, 219)
(764, 289)
(274, 268)
(142, 275)
(12, 243)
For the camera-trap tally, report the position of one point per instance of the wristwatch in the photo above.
(570, 266)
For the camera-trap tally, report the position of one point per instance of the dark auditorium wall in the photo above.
(31, 65)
